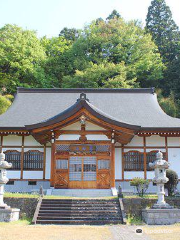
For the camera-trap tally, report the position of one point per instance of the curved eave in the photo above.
(80, 104)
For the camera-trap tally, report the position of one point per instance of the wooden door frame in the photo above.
(96, 142)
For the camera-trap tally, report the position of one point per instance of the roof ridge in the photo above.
(86, 90)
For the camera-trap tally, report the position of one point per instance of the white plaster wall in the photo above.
(67, 137)
(174, 159)
(156, 149)
(13, 174)
(150, 174)
(131, 174)
(30, 141)
(12, 140)
(74, 126)
(136, 142)
(118, 163)
(48, 163)
(155, 141)
(173, 141)
(32, 174)
(97, 137)
(77, 126)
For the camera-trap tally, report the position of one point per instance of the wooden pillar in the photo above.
(44, 163)
(22, 157)
(122, 162)
(145, 159)
(1, 143)
(112, 165)
(52, 163)
(166, 145)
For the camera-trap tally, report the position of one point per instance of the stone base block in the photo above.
(161, 216)
(9, 214)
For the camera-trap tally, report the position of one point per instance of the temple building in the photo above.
(85, 138)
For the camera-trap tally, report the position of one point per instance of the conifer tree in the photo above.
(164, 31)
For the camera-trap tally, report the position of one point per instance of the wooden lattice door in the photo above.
(61, 173)
(103, 173)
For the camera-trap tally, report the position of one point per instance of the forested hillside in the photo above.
(107, 53)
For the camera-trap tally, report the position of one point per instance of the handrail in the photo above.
(122, 211)
(37, 210)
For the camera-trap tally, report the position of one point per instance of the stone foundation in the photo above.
(161, 216)
(9, 214)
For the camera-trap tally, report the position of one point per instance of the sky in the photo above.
(49, 17)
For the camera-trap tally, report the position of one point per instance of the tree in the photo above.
(5, 102)
(107, 75)
(141, 185)
(116, 41)
(113, 15)
(70, 34)
(173, 181)
(21, 58)
(164, 31)
(57, 62)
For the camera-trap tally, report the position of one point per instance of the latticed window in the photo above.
(103, 164)
(62, 164)
(14, 157)
(33, 160)
(133, 161)
(151, 157)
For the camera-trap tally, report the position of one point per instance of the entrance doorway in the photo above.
(85, 166)
(82, 172)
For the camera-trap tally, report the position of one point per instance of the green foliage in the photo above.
(107, 75)
(134, 220)
(173, 181)
(116, 41)
(141, 185)
(5, 102)
(70, 34)
(113, 15)
(21, 55)
(164, 31)
(168, 104)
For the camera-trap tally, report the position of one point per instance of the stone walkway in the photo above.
(15, 231)
(125, 232)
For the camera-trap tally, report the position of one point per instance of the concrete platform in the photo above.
(161, 216)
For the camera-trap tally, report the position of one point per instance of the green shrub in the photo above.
(172, 183)
(141, 185)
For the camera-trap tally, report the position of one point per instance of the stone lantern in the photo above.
(160, 179)
(161, 213)
(7, 213)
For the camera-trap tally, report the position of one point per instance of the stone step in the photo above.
(77, 208)
(77, 205)
(80, 222)
(82, 192)
(79, 212)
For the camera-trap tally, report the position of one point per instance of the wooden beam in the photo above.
(122, 162)
(52, 163)
(22, 157)
(1, 143)
(112, 165)
(80, 132)
(145, 160)
(44, 163)
(166, 145)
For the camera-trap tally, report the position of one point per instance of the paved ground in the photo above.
(15, 231)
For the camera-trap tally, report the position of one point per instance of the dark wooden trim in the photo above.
(22, 157)
(44, 163)
(145, 160)
(166, 144)
(86, 132)
(35, 180)
(24, 146)
(1, 143)
(122, 162)
(112, 165)
(52, 163)
(97, 142)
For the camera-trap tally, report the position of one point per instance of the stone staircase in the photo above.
(82, 192)
(79, 211)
